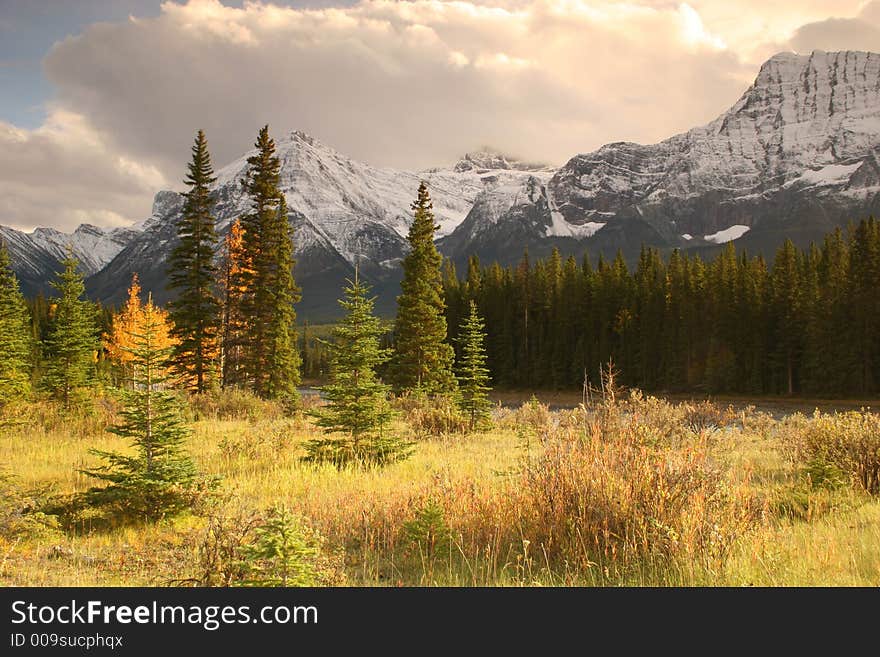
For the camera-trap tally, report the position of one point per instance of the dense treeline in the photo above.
(809, 323)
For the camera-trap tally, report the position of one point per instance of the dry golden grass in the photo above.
(633, 495)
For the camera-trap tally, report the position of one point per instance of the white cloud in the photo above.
(861, 32)
(695, 32)
(407, 84)
(65, 173)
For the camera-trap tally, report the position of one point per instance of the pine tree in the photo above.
(283, 360)
(787, 293)
(422, 359)
(357, 401)
(284, 552)
(270, 357)
(72, 341)
(196, 311)
(16, 344)
(159, 479)
(834, 340)
(863, 281)
(473, 375)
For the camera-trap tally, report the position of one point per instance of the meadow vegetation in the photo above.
(627, 490)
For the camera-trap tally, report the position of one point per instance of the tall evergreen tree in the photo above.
(833, 339)
(423, 359)
(473, 375)
(357, 400)
(865, 302)
(271, 360)
(72, 340)
(283, 359)
(160, 478)
(787, 296)
(195, 312)
(16, 343)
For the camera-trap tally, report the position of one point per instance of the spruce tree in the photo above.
(16, 344)
(195, 312)
(159, 478)
(422, 359)
(473, 375)
(357, 401)
(787, 293)
(72, 341)
(863, 280)
(283, 359)
(270, 357)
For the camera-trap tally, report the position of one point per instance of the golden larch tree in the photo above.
(128, 326)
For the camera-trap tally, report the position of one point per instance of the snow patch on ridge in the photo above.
(727, 235)
(559, 227)
(833, 174)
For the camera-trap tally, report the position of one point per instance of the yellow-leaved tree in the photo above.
(129, 325)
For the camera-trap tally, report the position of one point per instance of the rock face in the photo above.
(797, 155)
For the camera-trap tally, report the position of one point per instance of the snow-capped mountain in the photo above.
(343, 212)
(35, 255)
(798, 154)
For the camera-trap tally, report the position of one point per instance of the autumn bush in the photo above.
(603, 499)
(272, 547)
(234, 404)
(836, 447)
(432, 416)
(532, 416)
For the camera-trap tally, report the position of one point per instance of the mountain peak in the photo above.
(300, 135)
(790, 67)
(488, 159)
(90, 229)
(297, 138)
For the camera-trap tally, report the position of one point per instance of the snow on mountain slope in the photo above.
(361, 209)
(796, 155)
(342, 211)
(94, 247)
(807, 120)
(726, 235)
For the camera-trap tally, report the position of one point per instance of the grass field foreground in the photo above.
(634, 491)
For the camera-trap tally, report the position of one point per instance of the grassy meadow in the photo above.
(628, 491)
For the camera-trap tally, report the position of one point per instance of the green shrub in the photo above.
(23, 511)
(427, 533)
(368, 451)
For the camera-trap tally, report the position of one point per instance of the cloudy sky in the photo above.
(100, 99)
